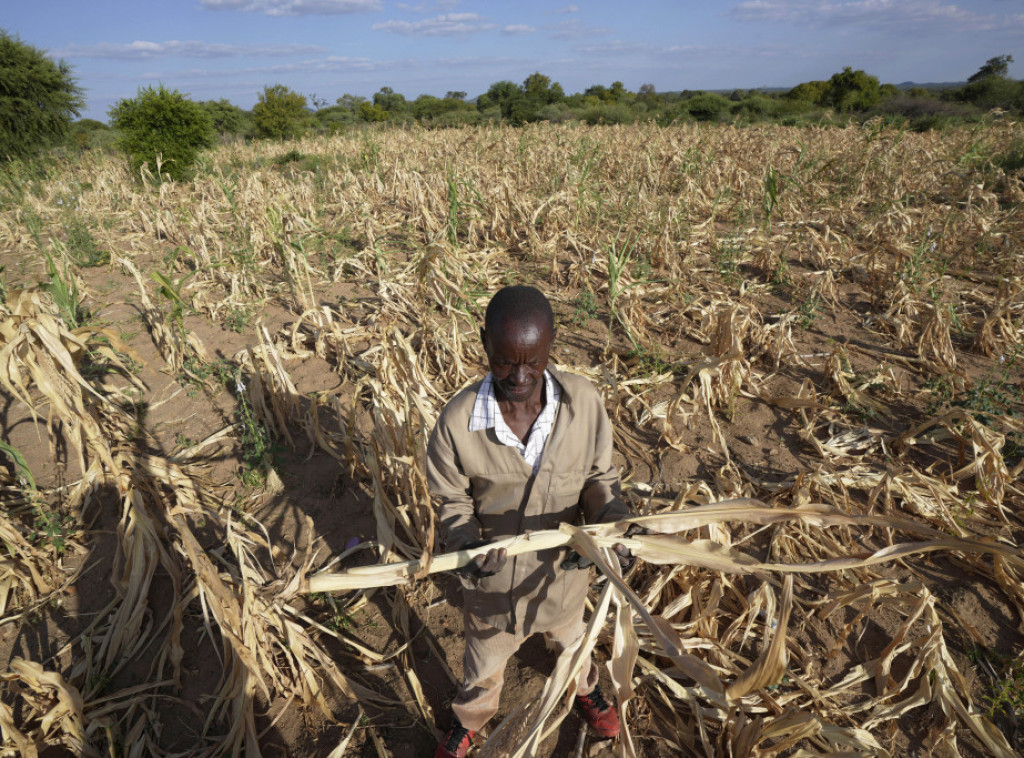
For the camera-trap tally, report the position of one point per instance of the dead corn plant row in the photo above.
(678, 238)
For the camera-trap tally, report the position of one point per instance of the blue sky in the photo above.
(212, 49)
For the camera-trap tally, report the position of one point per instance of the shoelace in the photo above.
(457, 734)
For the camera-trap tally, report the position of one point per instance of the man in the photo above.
(528, 448)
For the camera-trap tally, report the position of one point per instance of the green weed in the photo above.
(586, 307)
(202, 376)
(82, 246)
(170, 289)
(257, 448)
(63, 288)
(1007, 674)
(810, 309)
(239, 318)
(49, 527)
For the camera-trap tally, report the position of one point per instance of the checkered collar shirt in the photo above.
(486, 414)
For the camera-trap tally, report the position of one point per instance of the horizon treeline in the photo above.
(848, 95)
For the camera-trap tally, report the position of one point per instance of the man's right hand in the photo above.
(487, 564)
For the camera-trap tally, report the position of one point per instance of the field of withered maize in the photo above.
(216, 532)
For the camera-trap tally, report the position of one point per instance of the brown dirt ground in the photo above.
(763, 440)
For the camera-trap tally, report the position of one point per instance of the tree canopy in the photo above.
(162, 129)
(38, 99)
(998, 66)
(280, 113)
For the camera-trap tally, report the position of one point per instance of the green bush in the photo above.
(851, 90)
(38, 99)
(756, 108)
(335, 118)
(162, 125)
(88, 133)
(280, 113)
(609, 114)
(226, 117)
(557, 113)
(456, 118)
(922, 113)
(707, 106)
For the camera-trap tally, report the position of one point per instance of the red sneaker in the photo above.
(599, 714)
(458, 740)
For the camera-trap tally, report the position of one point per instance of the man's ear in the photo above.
(483, 338)
(554, 334)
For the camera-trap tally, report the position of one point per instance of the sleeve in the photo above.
(450, 489)
(602, 491)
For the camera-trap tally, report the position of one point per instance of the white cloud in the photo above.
(567, 9)
(518, 29)
(294, 7)
(574, 29)
(143, 50)
(443, 25)
(885, 14)
(616, 47)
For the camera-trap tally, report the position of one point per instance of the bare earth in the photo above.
(789, 351)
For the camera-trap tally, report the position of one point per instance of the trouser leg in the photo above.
(487, 651)
(561, 637)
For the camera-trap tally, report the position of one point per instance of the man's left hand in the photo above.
(623, 553)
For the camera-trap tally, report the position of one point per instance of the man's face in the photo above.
(517, 353)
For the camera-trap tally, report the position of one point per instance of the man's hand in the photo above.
(623, 553)
(488, 564)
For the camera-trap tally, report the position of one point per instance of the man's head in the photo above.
(519, 328)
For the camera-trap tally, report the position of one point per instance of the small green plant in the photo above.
(1007, 674)
(810, 309)
(170, 289)
(82, 246)
(52, 528)
(726, 255)
(49, 527)
(257, 448)
(918, 267)
(586, 307)
(650, 362)
(203, 376)
(3, 286)
(63, 288)
(994, 396)
(239, 318)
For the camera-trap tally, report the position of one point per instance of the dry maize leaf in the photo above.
(771, 665)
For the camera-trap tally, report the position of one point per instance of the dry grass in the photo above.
(903, 423)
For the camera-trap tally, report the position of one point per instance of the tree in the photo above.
(500, 95)
(162, 126)
(455, 95)
(226, 117)
(280, 113)
(372, 113)
(38, 99)
(389, 100)
(351, 102)
(706, 106)
(851, 90)
(808, 92)
(998, 66)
